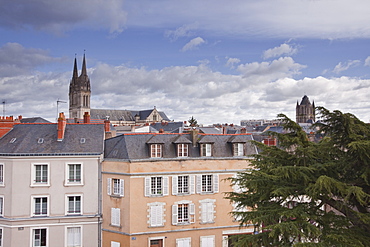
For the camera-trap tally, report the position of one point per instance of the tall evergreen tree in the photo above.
(305, 193)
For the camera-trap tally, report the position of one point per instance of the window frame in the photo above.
(33, 207)
(214, 184)
(183, 213)
(156, 220)
(1, 206)
(176, 185)
(148, 189)
(1, 236)
(182, 150)
(33, 236)
(66, 235)
(156, 150)
(162, 238)
(183, 239)
(34, 182)
(207, 212)
(111, 187)
(207, 237)
(238, 149)
(206, 149)
(67, 209)
(67, 174)
(2, 172)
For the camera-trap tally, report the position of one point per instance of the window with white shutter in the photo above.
(183, 242)
(74, 237)
(238, 149)
(207, 183)
(156, 214)
(115, 187)
(115, 244)
(183, 185)
(116, 217)
(183, 212)
(156, 186)
(206, 149)
(207, 241)
(207, 210)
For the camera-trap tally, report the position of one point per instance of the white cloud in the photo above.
(340, 67)
(283, 49)
(367, 61)
(192, 44)
(183, 31)
(232, 61)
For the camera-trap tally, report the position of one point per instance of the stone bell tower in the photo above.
(305, 112)
(79, 92)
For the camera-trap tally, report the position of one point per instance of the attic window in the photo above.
(82, 140)
(40, 140)
(13, 140)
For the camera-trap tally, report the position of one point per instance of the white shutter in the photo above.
(209, 149)
(192, 184)
(192, 212)
(174, 214)
(115, 216)
(240, 149)
(122, 187)
(183, 242)
(207, 211)
(199, 184)
(175, 190)
(215, 183)
(114, 244)
(207, 241)
(165, 185)
(147, 186)
(156, 215)
(109, 186)
(225, 242)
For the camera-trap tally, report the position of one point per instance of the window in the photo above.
(207, 210)
(41, 174)
(1, 174)
(156, 186)
(207, 241)
(1, 206)
(156, 215)
(1, 236)
(74, 204)
(207, 183)
(115, 187)
(156, 243)
(183, 185)
(116, 217)
(183, 242)
(206, 149)
(114, 244)
(39, 237)
(183, 213)
(156, 150)
(182, 150)
(238, 149)
(40, 206)
(74, 236)
(74, 173)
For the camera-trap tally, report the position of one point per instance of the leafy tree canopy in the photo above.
(193, 122)
(305, 193)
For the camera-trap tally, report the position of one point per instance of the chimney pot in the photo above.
(61, 126)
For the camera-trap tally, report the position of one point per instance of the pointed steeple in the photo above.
(75, 71)
(84, 71)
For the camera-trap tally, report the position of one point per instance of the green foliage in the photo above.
(305, 193)
(193, 122)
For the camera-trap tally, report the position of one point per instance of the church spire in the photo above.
(75, 71)
(84, 71)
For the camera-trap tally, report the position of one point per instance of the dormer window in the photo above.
(82, 140)
(206, 149)
(238, 149)
(13, 140)
(182, 150)
(156, 150)
(40, 140)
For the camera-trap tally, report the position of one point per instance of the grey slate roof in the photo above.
(168, 126)
(34, 120)
(41, 139)
(135, 146)
(122, 115)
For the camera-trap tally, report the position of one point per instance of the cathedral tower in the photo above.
(79, 92)
(305, 112)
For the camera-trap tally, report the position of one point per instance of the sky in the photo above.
(218, 61)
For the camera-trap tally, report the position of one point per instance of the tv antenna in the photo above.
(4, 108)
(59, 101)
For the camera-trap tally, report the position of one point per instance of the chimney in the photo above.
(107, 125)
(194, 136)
(20, 117)
(86, 118)
(161, 131)
(132, 128)
(243, 131)
(61, 126)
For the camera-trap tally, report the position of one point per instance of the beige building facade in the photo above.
(168, 189)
